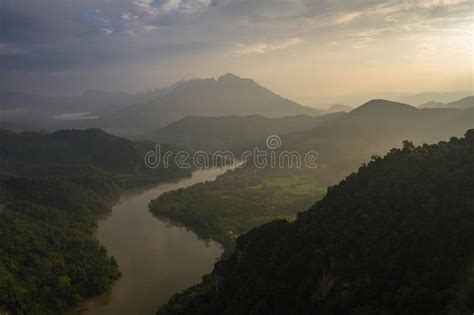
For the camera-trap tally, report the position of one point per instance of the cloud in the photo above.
(87, 35)
(163, 7)
(106, 31)
(345, 18)
(391, 11)
(10, 49)
(262, 47)
(439, 3)
(166, 6)
(363, 42)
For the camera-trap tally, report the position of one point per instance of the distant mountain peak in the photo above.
(432, 104)
(377, 105)
(462, 103)
(225, 96)
(339, 108)
(383, 102)
(465, 102)
(467, 98)
(228, 76)
(234, 80)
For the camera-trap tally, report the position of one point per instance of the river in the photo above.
(155, 258)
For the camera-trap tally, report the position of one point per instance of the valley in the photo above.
(236, 157)
(54, 189)
(237, 202)
(155, 259)
(381, 241)
(89, 227)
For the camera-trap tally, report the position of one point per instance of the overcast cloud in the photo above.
(300, 48)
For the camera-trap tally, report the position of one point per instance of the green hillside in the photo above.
(234, 133)
(53, 190)
(397, 237)
(66, 152)
(245, 198)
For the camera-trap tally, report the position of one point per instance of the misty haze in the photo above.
(181, 157)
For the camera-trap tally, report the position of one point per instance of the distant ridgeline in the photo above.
(137, 114)
(53, 189)
(246, 198)
(397, 237)
(377, 120)
(75, 152)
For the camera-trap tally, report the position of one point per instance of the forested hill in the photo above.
(232, 132)
(397, 237)
(246, 198)
(67, 152)
(374, 122)
(53, 189)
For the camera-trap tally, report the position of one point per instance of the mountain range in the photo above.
(463, 103)
(54, 188)
(139, 114)
(228, 95)
(232, 132)
(421, 98)
(394, 238)
(339, 108)
(90, 151)
(134, 114)
(374, 122)
(250, 196)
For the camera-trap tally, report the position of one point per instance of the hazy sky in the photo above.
(298, 48)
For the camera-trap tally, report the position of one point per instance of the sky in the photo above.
(307, 50)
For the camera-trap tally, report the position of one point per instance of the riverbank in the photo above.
(238, 202)
(156, 259)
